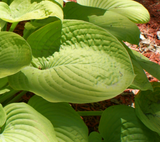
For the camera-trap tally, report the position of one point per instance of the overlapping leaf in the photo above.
(91, 65)
(4, 85)
(2, 116)
(149, 66)
(23, 123)
(140, 81)
(120, 124)
(15, 53)
(34, 25)
(2, 24)
(68, 125)
(117, 24)
(129, 8)
(58, 1)
(95, 137)
(148, 107)
(20, 10)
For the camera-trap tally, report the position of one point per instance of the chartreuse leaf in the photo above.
(4, 85)
(149, 66)
(34, 25)
(92, 65)
(23, 123)
(128, 8)
(58, 1)
(2, 117)
(3, 82)
(120, 124)
(20, 10)
(2, 24)
(148, 107)
(15, 53)
(69, 127)
(117, 24)
(140, 81)
(95, 137)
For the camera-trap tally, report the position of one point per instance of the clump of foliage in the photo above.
(74, 54)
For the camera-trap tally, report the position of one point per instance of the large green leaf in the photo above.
(3, 82)
(2, 116)
(34, 25)
(58, 1)
(15, 53)
(120, 124)
(92, 65)
(148, 107)
(69, 127)
(140, 81)
(20, 10)
(4, 85)
(23, 123)
(2, 24)
(146, 64)
(129, 8)
(118, 25)
(95, 137)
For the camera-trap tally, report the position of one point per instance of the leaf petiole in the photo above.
(16, 98)
(8, 95)
(13, 26)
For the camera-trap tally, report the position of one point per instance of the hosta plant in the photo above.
(74, 54)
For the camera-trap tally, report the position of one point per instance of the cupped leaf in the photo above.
(69, 127)
(20, 10)
(129, 8)
(95, 137)
(34, 25)
(117, 24)
(46, 40)
(2, 116)
(15, 53)
(146, 64)
(92, 65)
(147, 106)
(120, 124)
(23, 123)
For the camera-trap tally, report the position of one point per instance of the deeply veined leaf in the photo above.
(15, 53)
(20, 10)
(146, 64)
(92, 65)
(95, 137)
(69, 127)
(23, 123)
(148, 107)
(133, 10)
(120, 124)
(2, 116)
(117, 24)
